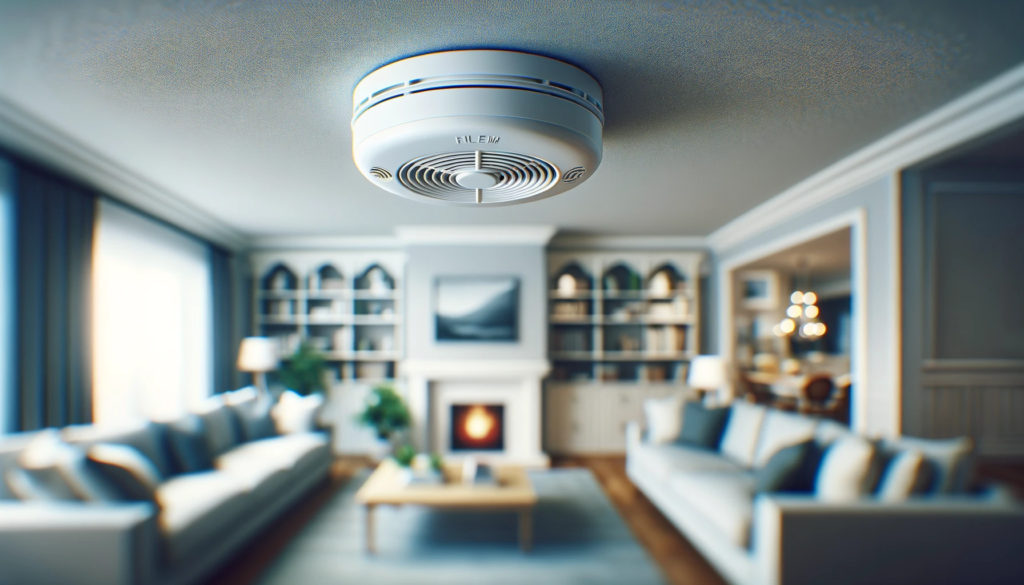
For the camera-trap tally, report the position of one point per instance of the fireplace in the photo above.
(477, 427)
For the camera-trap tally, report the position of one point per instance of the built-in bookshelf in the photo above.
(623, 328)
(347, 306)
(623, 317)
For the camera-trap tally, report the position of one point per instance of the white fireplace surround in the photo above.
(435, 385)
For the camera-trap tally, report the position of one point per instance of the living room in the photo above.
(699, 292)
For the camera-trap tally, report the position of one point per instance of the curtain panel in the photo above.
(221, 280)
(55, 221)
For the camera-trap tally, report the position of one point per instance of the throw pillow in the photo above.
(221, 426)
(254, 420)
(702, 426)
(741, 432)
(297, 414)
(187, 440)
(147, 438)
(664, 419)
(49, 469)
(782, 471)
(904, 476)
(845, 470)
(130, 471)
(948, 460)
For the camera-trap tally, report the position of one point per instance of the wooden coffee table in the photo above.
(514, 492)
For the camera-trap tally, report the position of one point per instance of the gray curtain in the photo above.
(55, 221)
(223, 322)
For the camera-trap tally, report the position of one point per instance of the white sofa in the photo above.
(202, 518)
(799, 538)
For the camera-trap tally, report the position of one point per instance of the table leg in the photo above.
(370, 545)
(526, 529)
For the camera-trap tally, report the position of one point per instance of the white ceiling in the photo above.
(242, 108)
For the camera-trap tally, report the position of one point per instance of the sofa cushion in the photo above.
(147, 438)
(251, 465)
(11, 447)
(221, 425)
(297, 414)
(186, 440)
(781, 429)
(133, 474)
(828, 431)
(49, 469)
(846, 470)
(724, 499)
(664, 417)
(904, 475)
(782, 473)
(950, 461)
(663, 460)
(741, 433)
(196, 508)
(702, 426)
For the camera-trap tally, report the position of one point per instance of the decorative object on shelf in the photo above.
(304, 371)
(661, 284)
(258, 355)
(386, 412)
(377, 280)
(708, 375)
(759, 290)
(567, 285)
(476, 308)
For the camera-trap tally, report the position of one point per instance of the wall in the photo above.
(426, 262)
(876, 400)
(963, 322)
(6, 296)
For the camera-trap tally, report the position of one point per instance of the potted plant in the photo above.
(386, 413)
(304, 371)
(418, 468)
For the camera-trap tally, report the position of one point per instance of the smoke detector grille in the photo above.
(381, 174)
(448, 176)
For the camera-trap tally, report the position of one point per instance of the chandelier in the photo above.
(801, 315)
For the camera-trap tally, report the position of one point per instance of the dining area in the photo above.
(816, 384)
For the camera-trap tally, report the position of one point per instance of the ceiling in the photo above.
(242, 108)
(827, 255)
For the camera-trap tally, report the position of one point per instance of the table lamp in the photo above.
(258, 355)
(707, 374)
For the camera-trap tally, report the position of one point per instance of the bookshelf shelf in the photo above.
(345, 304)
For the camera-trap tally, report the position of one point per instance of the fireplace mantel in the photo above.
(434, 384)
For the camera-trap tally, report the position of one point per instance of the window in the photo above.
(152, 303)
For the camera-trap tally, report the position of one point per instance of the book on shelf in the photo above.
(571, 341)
(666, 339)
(570, 309)
(341, 340)
(372, 370)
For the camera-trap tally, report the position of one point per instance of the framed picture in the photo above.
(759, 289)
(476, 308)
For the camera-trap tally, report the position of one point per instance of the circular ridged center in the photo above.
(482, 179)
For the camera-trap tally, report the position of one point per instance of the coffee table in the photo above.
(513, 492)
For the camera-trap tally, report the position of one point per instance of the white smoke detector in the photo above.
(477, 128)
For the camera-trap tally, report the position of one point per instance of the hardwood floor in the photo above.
(678, 560)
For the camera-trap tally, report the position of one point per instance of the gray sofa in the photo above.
(947, 536)
(198, 519)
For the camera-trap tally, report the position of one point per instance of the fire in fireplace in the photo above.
(478, 427)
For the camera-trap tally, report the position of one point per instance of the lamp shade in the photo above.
(707, 372)
(257, 354)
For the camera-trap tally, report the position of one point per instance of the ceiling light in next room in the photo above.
(477, 128)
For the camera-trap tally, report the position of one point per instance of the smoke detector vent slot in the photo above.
(381, 174)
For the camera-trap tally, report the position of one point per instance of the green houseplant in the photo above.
(386, 412)
(304, 371)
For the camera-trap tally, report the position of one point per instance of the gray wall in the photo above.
(963, 322)
(881, 396)
(7, 277)
(427, 262)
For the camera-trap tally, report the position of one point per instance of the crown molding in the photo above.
(596, 242)
(324, 243)
(490, 235)
(26, 134)
(994, 104)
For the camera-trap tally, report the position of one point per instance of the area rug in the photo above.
(578, 538)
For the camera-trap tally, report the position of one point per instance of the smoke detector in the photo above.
(477, 128)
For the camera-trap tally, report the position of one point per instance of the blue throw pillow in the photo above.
(186, 438)
(782, 472)
(126, 468)
(254, 420)
(702, 426)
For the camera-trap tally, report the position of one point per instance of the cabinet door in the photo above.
(619, 407)
(581, 425)
(556, 412)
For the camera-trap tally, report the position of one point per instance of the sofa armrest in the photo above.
(51, 542)
(798, 539)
